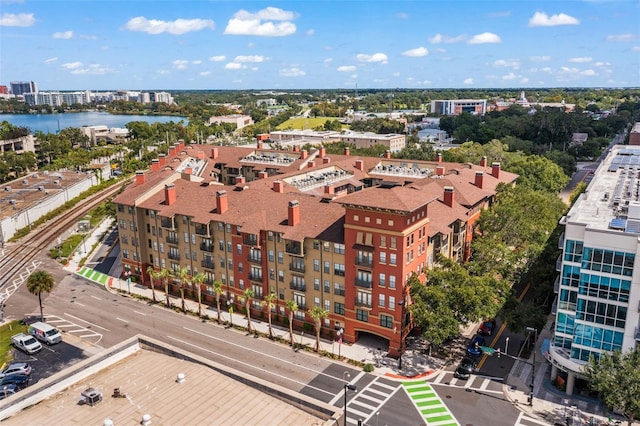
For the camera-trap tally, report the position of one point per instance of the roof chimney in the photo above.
(278, 186)
(439, 157)
(259, 144)
(240, 180)
(222, 204)
(188, 171)
(296, 148)
(347, 151)
(483, 162)
(495, 170)
(304, 154)
(322, 151)
(479, 179)
(329, 189)
(263, 175)
(448, 195)
(311, 164)
(326, 160)
(200, 155)
(214, 153)
(294, 213)
(139, 177)
(162, 158)
(155, 165)
(172, 151)
(170, 193)
(387, 154)
(440, 170)
(360, 165)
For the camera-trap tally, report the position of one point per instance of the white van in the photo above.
(45, 333)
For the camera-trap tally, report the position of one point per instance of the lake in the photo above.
(51, 123)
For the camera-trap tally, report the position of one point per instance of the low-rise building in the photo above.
(238, 119)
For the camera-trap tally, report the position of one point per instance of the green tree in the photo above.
(165, 275)
(218, 290)
(183, 276)
(197, 281)
(318, 314)
(539, 174)
(292, 306)
(38, 282)
(269, 302)
(616, 377)
(152, 274)
(247, 296)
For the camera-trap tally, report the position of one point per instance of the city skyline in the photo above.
(198, 45)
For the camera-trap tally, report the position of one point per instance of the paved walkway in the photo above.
(550, 406)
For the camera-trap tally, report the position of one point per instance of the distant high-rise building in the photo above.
(19, 88)
(4, 90)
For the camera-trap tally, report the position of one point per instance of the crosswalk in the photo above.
(427, 401)
(367, 402)
(474, 382)
(77, 330)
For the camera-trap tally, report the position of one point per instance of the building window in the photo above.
(394, 243)
(338, 269)
(327, 287)
(392, 302)
(367, 219)
(386, 321)
(378, 221)
(239, 249)
(280, 257)
(383, 257)
(281, 276)
(271, 256)
(390, 222)
(325, 246)
(327, 305)
(392, 259)
(316, 284)
(363, 298)
(316, 265)
(338, 308)
(362, 315)
(383, 241)
(356, 218)
(382, 280)
(392, 281)
(338, 289)
(573, 251)
(327, 266)
(316, 301)
(608, 261)
(382, 302)
(338, 248)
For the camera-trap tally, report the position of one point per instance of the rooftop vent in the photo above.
(91, 396)
(7, 188)
(25, 182)
(146, 420)
(181, 378)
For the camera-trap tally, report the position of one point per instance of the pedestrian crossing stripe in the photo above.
(93, 275)
(427, 401)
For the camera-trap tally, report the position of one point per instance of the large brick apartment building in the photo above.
(338, 231)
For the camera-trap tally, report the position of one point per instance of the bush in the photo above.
(307, 327)
(368, 368)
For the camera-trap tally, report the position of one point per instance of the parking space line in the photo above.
(80, 319)
(123, 320)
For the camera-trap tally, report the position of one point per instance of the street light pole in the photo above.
(340, 333)
(533, 365)
(347, 386)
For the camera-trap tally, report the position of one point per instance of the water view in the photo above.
(52, 123)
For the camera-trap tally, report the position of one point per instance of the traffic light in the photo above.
(498, 352)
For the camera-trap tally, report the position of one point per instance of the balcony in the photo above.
(561, 241)
(556, 285)
(208, 263)
(255, 259)
(173, 255)
(297, 286)
(255, 277)
(168, 223)
(297, 267)
(363, 303)
(293, 247)
(364, 261)
(202, 230)
(206, 247)
(338, 291)
(559, 263)
(363, 283)
(172, 239)
(250, 240)
(554, 306)
(338, 272)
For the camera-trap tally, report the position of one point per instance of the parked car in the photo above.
(26, 343)
(7, 390)
(465, 368)
(20, 380)
(45, 333)
(487, 327)
(16, 368)
(474, 347)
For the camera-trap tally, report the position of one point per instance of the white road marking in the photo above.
(78, 303)
(80, 319)
(123, 320)
(140, 313)
(96, 297)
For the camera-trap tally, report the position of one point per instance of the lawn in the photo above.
(303, 123)
(6, 331)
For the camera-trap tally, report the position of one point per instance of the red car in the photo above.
(487, 327)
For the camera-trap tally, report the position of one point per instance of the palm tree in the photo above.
(38, 282)
(317, 314)
(183, 275)
(152, 275)
(217, 289)
(197, 281)
(164, 274)
(269, 302)
(292, 306)
(246, 298)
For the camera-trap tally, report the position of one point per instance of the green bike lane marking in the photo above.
(93, 275)
(429, 404)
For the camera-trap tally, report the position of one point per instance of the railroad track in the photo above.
(19, 259)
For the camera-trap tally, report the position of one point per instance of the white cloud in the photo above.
(468, 81)
(65, 35)
(310, 32)
(376, 57)
(217, 58)
(402, 15)
(88, 37)
(426, 82)
(292, 72)
(328, 60)
(541, 19)
(484, 38)
(621, 37)
(440, 38)
(501, 14)
(539, 58)
(163, 72)
(177, 27)
(50, 60)
(354, 76)
(261, 23)
(17, 20)
(250, 58)
(196, 62)
(567, 70)
(509, 63)
(180, 64)
(546, 69)
(602, 64)
(580, 60)
(72, 65)
(508, 77)
(396, 74)
(524, 80)
(93, 69)
(635, 49)
(347, 68)
(588, 73)
(234, 66)
(204, 73)
(418, 51)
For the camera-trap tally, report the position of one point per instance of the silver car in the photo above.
(16, 368)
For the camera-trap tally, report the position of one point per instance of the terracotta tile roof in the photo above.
(442, 216)
(401, 198)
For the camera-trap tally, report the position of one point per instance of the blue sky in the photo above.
(161, 44)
